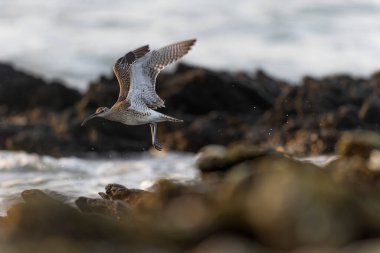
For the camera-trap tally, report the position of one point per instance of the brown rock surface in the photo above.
(263, 201)
(217, 108)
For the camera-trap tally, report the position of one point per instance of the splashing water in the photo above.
(72, 177)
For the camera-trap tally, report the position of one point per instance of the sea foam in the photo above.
(77, 40)
(73, 177)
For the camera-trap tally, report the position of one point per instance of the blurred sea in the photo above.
(70, 177)
(76, 41)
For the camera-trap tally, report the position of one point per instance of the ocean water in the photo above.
(70, 177)
(75, 41)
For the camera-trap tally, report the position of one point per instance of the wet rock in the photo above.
(288, 203)
(44, 217)
(39, 139)
(359, 143)
(263, 201)
(348, 118)
(227, 244)
(120, 192)
(190, 92)
(117, 209)
(102, 92)
(217, 108)
(220, 158)
(366, 246)
(358, 162)
(212, 157)
(293, 207)
(370, 111)
(20, 91)
(198, 131)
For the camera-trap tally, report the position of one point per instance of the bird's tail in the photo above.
(168, 118)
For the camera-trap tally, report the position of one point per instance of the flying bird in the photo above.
(136, 73)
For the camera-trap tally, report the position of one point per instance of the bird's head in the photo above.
(100, 112)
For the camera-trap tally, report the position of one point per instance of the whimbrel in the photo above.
(136, 73)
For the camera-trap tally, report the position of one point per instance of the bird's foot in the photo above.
(157, 145)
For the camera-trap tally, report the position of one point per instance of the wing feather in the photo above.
(164, 56)
(156, 61)
(122, 70)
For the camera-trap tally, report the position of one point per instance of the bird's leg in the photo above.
(153, 131)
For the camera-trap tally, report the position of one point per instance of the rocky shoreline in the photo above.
(249, 199)
(217, 108)
(253, 195)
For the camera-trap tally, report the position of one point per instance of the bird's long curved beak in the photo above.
(88, 118)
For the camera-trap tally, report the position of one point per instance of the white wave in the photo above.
(72, 176)
(77, 40)
(320, 161)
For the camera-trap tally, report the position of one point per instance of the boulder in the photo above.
(22, 92)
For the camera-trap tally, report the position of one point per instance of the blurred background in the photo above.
(75, 41)
(281, 110)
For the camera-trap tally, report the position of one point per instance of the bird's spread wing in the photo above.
(122, 70)
(162, 57)
(150, 66)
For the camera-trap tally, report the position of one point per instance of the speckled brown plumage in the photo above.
(136, 73)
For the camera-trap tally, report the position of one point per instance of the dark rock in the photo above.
(39, 139)
(290, 206)
(227, 244)
(347, 117)
(199, 91)
(217, 108)
(359, 143)
(219, 158)
(370, 111)
(117, 209)
(42, 217)
(212, 157)
(198, 131)
(263, 201)
(120, 192)
(103, 92)
(358, 163)
(20, 92)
